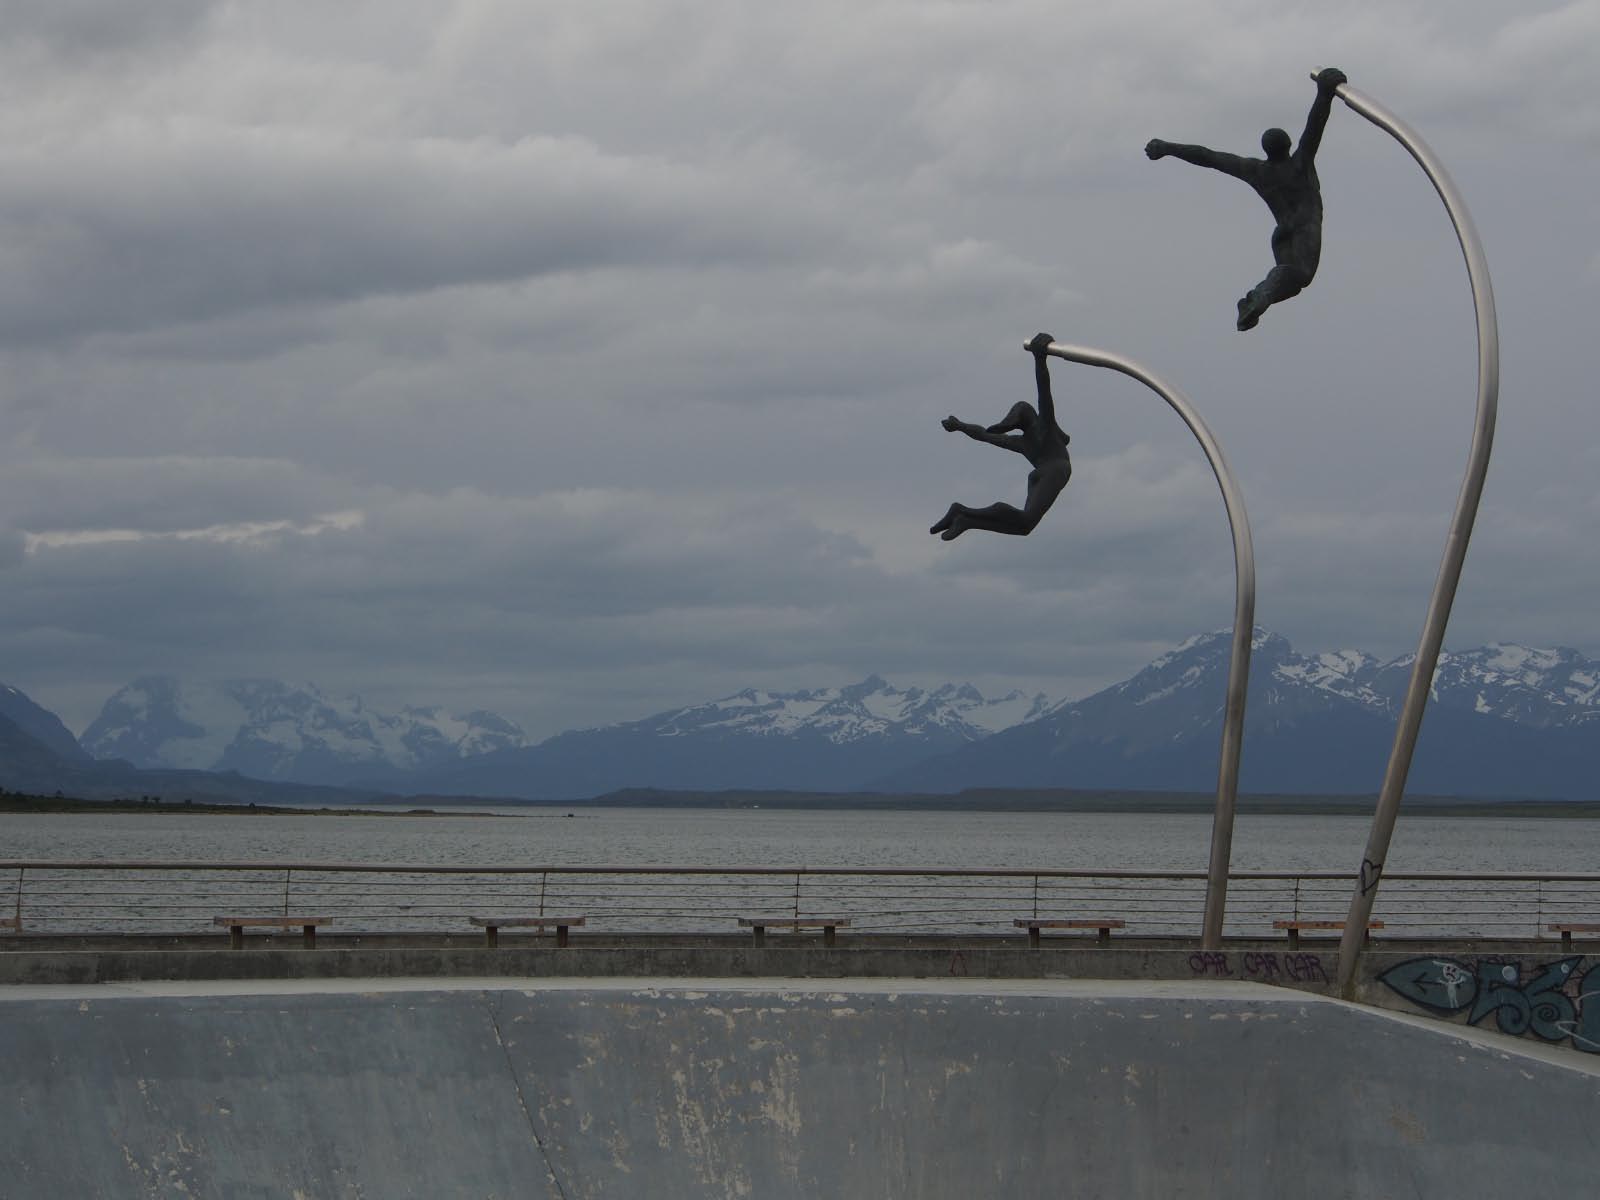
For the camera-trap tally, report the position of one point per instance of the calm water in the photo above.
(646, 837)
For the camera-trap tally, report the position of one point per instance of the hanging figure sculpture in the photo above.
(1288, 183)
(1038, 439)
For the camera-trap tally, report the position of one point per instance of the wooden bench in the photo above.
(1103, 924)
(306, 925)
(1567, 928)
(1294, 928)
(828, 925)
(493, 925)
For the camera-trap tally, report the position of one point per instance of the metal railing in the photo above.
(176, 898)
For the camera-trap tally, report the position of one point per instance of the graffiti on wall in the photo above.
(1553, 1001)
(1265, 967)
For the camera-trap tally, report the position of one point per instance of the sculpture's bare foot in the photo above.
(1249, 315)
(957, 528)
(943, 522)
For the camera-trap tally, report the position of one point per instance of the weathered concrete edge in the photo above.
(1301, 971)
(1249, 994)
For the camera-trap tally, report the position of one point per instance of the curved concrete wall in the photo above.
(748, 1090)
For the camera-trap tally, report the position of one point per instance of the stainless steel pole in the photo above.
(1455, 547)
(1244, 608)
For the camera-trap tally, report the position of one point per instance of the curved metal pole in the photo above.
(1455, 547)
(1244, 608)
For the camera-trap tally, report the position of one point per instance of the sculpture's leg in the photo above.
(997, 518)
(1021, 416)
(943, 523)
(1283, 281)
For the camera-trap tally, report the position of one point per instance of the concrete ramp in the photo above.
(877, 1089)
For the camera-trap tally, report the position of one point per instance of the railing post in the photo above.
(544, 884)
(21, 871)
(1036, 897)
(287, 872)
(797, 895)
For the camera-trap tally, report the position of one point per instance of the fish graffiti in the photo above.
(1553, 1001)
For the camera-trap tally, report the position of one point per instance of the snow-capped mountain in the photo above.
(828, 739)
(1539, 688)
(270, 730)
(872, 708)
(1502, 720)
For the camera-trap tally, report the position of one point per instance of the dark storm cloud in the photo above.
(580, 360)
(131, 232)
(70, 28)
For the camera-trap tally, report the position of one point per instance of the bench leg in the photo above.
(1566, 940)
(761, 934)
(236, 937)
(1105, 935)
(491, 936)
(561, 935)
(1033, 936)
(827, 935)
(1294, 939)
(309, 932)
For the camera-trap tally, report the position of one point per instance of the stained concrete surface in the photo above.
(769, 1089)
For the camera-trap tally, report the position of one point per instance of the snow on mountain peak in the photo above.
(872, 708)
(272, 730)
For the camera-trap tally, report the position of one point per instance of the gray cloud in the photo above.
(69, 29)
(626, 331)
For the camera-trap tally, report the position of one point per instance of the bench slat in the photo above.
(236, 927)
(491, 926)
(828, 925)
(1294, 928)
(1034, 924)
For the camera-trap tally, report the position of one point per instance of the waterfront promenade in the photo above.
(932, 1049)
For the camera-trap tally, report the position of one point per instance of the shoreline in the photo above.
(1041, 801)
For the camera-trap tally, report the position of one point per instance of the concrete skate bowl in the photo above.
(776, 1091)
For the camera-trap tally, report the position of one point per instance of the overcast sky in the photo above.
(582, 360)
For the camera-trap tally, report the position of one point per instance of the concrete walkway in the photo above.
(768, 1089)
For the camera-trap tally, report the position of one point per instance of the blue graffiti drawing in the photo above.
(1518, 1007)
(1586, 1036)
(1540, 1005)
(1441, 984)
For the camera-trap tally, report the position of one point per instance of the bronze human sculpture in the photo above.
(1288, 183)
(1035, 436)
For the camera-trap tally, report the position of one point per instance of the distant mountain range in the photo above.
(270, 730)
(1504, 721)
(831, 739)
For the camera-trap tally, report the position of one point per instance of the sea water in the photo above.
(787, 837)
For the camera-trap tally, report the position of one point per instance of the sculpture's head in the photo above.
(1276, 143)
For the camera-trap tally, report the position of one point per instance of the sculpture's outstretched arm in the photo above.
(1200, 156)
(1328, 79)
(1041, 378)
